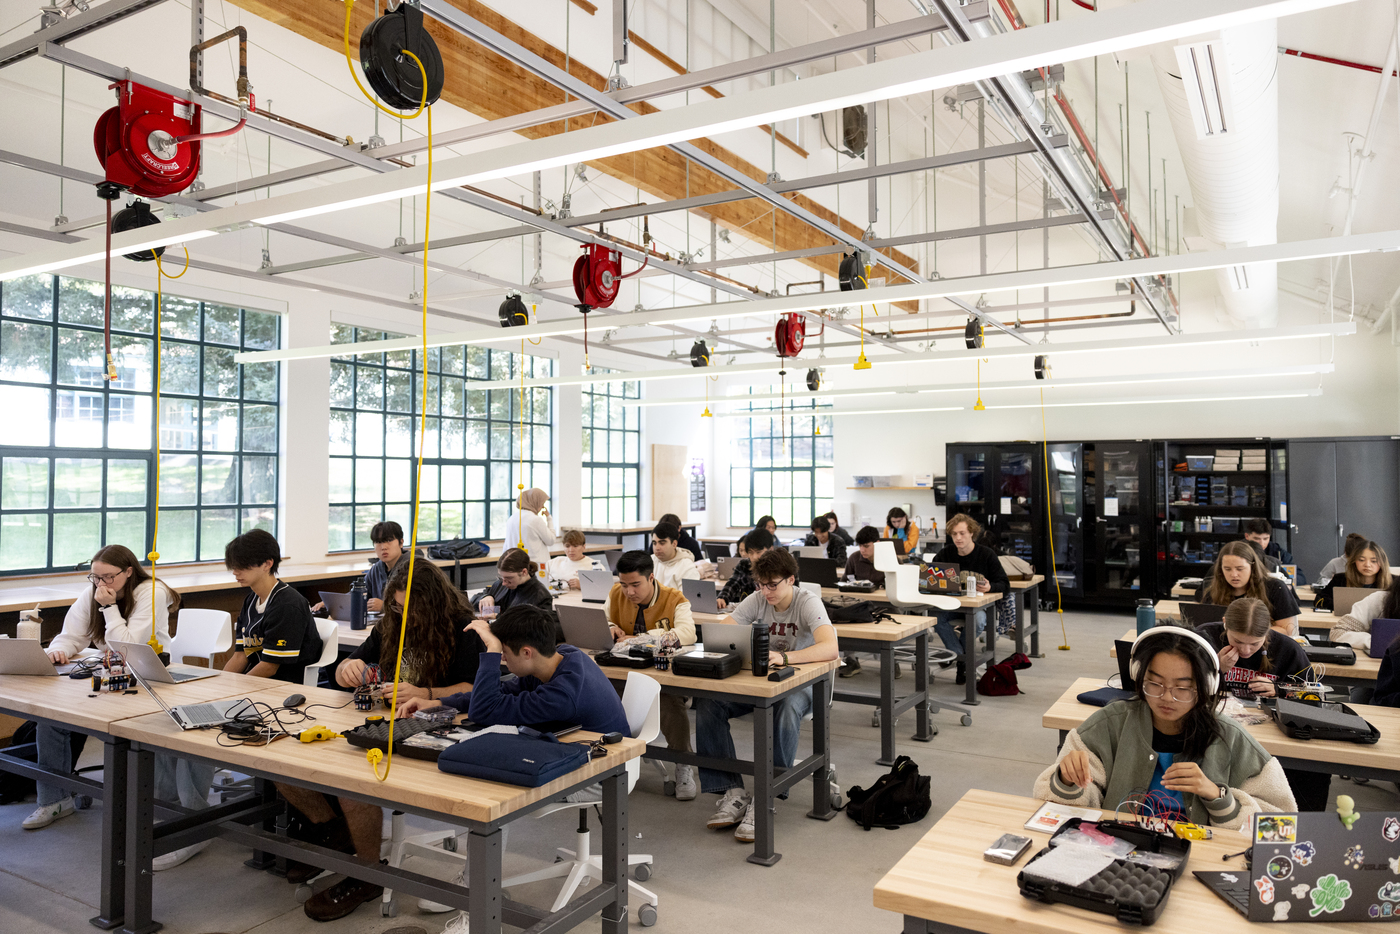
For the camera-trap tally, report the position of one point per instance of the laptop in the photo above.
(594, 586)
(200, 716)
(585, 627)
(1344, 598)
(25, 657)
(727, 566)
(143, 659)
(811, 551)
(1383, 635)
(1311, 867)
(337, 606)
(730, 637)
(703, 595)
(613, 555)
(818, 569)
(716, 551)
(1198, 614)
(1124, 650)
(942, 578)
(899, 544)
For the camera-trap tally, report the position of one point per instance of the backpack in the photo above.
(851, 610)
(900, 796)
(999, 680)
(458, 549)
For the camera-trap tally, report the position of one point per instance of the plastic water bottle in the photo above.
(758, 649)
(1146, 616)
(359, 605)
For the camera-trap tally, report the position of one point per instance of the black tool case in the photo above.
(1133, 893)
(707, 664)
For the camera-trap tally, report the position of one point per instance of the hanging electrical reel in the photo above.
(513, 312)
(814, 379)
(136, 215)
(852, 272)
(394, 76)
(138, 141)
(1042, 366)
(699, 354)
(972, 334)
(597, 276)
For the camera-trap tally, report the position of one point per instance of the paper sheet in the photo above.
(1110, 505)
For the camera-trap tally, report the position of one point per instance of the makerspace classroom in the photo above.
(1116, 285)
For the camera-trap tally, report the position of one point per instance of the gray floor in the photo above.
(824, 881)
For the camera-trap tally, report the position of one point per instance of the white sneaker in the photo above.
(432, 907)
(458, 925)
(730, 810)
(176, 857)
(685, 783)
(48, 813)
(744, 832)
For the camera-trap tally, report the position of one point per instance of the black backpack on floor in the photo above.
(900, 796)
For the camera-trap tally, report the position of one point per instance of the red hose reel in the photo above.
(790, 334)
(597, 275)
(136, 141)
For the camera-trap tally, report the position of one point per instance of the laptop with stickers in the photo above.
(1313, 866)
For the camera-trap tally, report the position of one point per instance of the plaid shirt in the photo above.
(740, 583)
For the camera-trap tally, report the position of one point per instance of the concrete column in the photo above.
(305, 444)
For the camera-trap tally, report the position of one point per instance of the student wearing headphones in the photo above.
(1367, 566)
(1239, 572)
(1169, 739)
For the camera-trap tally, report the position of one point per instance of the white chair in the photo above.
(902, 583)
(201, 634)
(810, 587)
(642, 701)
(329, 630)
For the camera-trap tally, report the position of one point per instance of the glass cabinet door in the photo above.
(1066, 469)
(1122, 480)
(967, 481)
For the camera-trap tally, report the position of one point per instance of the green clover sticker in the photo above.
(1329, 895)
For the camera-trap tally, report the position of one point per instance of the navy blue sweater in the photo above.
(579, 692)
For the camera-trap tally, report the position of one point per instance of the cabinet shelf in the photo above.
(1224, 510)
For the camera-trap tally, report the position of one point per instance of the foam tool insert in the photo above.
(1109, 867)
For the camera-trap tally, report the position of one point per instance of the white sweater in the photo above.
(1355, 627)
(671, 573)
(562, 569)
(538, 537)
(79, 630)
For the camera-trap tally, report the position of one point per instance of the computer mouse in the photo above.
(294, 700)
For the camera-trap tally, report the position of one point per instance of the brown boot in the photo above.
(341, 899)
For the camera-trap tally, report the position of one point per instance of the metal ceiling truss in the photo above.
(70, 28)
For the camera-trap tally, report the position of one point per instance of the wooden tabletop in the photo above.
(632, 529)
(895, 630)
(1027, 585)
(415, 783)
(1308, 618)
(1306, 595)
(1365, 669)
(69, 700)
(743, 684)
(944, 878)
(1067, 713)
(974, 602)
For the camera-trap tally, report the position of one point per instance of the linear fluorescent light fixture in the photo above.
(743, 397)
(1205, 73)
(37, 264)
(1146, 400)
(1114, 30)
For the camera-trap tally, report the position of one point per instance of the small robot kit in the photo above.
(112, 678)
(368, 694)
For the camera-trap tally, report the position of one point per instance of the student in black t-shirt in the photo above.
(275, 635)
(439, 658)
(962, 549)
(1239, 572)
(684, 539)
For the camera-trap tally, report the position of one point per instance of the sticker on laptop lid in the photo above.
(1303, 853)
(1275, 828)
(1329, 895)
(1279, 868)
(1266, 890)
(1390, 830)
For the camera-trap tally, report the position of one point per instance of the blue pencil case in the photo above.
(513, 759)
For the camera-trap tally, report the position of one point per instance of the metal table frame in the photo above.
(1030, 595)
(768, 782)
(889, 707)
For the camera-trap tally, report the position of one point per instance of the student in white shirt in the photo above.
(672, 563)
(529, 528)
(565, 567)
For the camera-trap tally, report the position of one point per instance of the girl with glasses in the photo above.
(1169, 739)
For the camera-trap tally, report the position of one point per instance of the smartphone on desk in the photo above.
(1008, 848)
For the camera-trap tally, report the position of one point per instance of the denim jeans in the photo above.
(713, 738)
(950, 636)
(52, 752)
(176, 779)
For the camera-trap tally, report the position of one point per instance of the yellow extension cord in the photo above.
(154, 556)
(374, 755)
(1050, 521)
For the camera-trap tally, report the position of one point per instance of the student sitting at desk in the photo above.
(440, 657)
(1169, 739)
(1367, 566)
(1238, 572)
(962, 549)
(899, 528)
(673, 563)
(840, 532)
(860, 566)
(768, 524)
(565, 567)
(1355, 627)
(516, 585)
(1261, 533)
(821, 536)
(740, 583)
(116, 606)
(1384, 604)
(275, 634)
(685, 540)
(638, 603)
(1339, 564)
(799, 631)
(528, 528)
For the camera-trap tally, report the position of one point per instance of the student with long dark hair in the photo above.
(1384, 605)
(1239, 572)
(1169, 739)
(1367, 566)
(899, 527)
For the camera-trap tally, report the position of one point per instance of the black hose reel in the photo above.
(135, 215)
(394, 76)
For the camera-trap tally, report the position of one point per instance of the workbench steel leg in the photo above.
(1019, 599)
(112, 900)
(140, 841)
(484, 881)
(970, 655)
(924, 724)
(267, 793)
(887, 750)
(821, 746)
(763, 800)
(1033, 595)
(615, 851)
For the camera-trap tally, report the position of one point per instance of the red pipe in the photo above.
(1094, 8)
(1373, 69)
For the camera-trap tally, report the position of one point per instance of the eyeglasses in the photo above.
(772, 585)
(1180, 695)
(104, 579)
(395, 607)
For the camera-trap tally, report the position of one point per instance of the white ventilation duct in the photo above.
(1221, 92)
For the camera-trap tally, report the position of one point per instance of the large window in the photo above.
(781, 463)
(472, 444)
(612, 462)
(77, 457)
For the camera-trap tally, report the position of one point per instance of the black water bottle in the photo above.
(358, 604)
(758, 649)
